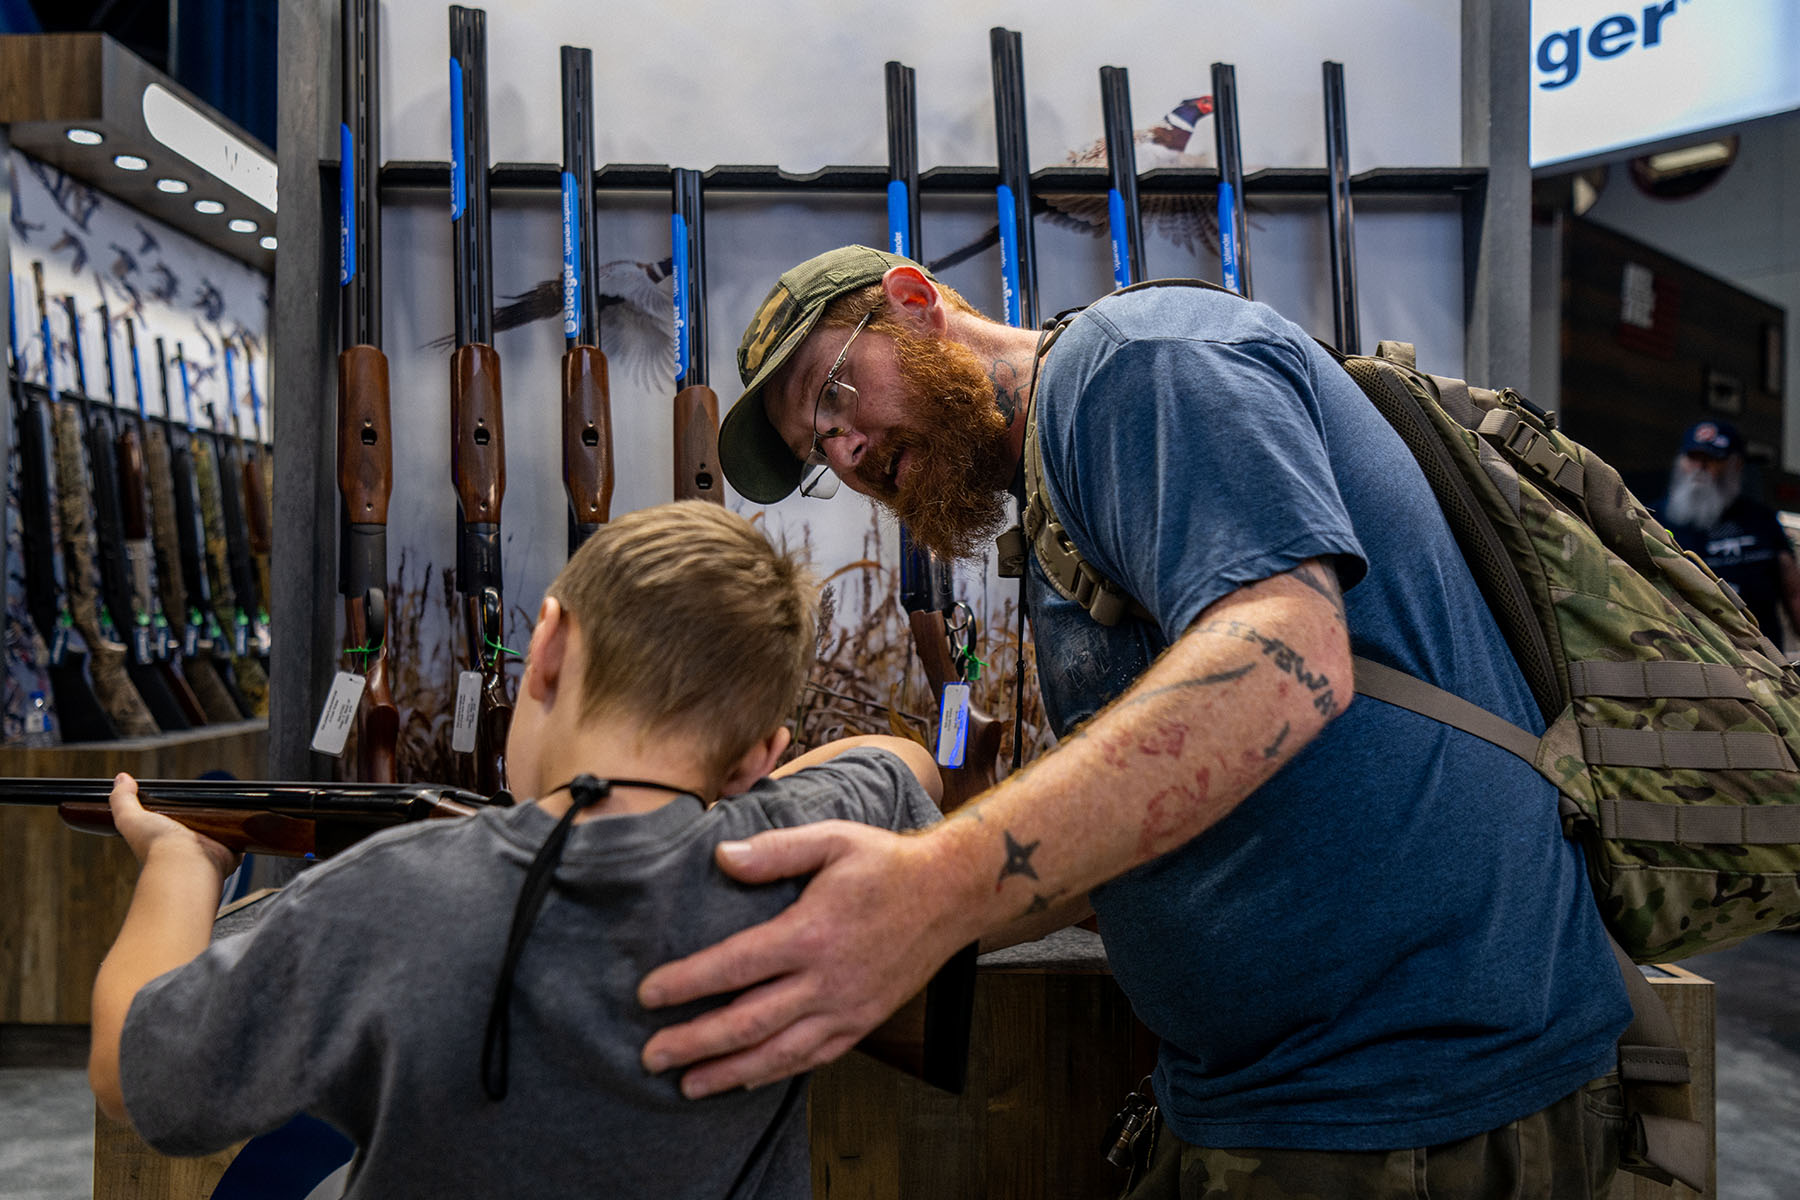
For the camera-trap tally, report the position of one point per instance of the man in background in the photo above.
(1738, 537)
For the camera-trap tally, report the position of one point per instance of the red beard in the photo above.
(952, 496)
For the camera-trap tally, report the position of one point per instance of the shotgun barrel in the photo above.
(295, 820)
(1018, 245)
(586, 400)
(1339, 214)
(1234, 227)
(697, 474)
(1123, 217)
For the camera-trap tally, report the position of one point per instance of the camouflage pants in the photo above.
(1570, 1149)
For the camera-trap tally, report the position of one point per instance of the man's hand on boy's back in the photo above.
(169, 923)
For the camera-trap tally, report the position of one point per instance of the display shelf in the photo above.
(63, 894)
(402, 175)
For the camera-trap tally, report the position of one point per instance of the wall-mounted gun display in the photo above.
(226, 553)
(107, 660)
(115, 455)
(477, 436)
(195, 652)
(79, 708)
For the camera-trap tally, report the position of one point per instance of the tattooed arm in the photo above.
(1236, 696)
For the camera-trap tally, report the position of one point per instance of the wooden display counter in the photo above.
(63, 894)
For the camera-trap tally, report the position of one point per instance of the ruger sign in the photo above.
(1609, 76)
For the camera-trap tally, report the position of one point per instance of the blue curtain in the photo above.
(224, 52)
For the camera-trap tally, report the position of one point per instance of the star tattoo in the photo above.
(1018, 859)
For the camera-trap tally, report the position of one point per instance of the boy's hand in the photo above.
(142, 828)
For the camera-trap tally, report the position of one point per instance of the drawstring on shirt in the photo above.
(585, 791)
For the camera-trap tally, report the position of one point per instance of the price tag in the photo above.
(953, 725)
(140, 643)
(468, 712)
(190, 640)
(59, 644)
(339, 713)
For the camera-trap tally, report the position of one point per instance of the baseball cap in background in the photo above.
(1714, 439)
(762, 467)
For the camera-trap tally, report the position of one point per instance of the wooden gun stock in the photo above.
(587, 440)
(976, 775)
(494, 723)
(378, 721)
(697, 475)
(478, 444)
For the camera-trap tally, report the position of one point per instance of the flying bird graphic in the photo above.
(637, 316)
(149, 243)
(164, 285)
(69, 241)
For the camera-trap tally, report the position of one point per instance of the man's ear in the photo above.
(548, 655)
(915, 299)
(757, 762)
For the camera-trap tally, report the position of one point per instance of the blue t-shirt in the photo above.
(1390, 943)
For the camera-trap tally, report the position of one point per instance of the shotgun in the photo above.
(293, 820)
(256, 488)
(365, 450)
(248, 569)
(586, 401)
(477, 438)
(202, 635)
(1234, 226)
(697, 475)
(1339, 215)
(1124, 219)
(99, 437)
(106, 656)
(84, 718)
(926, 592)
(197, 666)
(232, 622)
(928, 1037)
(123, 462)
(1019, 282)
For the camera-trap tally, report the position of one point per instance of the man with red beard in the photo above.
(1366, 947)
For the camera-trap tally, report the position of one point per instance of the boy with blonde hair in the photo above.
(458, 996)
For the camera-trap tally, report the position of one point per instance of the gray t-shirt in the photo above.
(362, 995)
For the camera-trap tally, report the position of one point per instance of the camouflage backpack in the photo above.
(1672, 722)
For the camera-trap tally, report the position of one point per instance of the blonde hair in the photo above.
(694, 625)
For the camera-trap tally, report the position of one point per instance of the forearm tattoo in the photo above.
(1018, 859)
(1285, 659)
(1323, 581)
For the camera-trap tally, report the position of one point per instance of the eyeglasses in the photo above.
(836, 404)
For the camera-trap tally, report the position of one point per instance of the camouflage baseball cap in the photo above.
(758, 463)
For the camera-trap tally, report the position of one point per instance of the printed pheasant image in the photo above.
(1188, 219)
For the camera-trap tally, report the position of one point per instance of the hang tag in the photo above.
(339, 713)
(468, 712)
(59, 645)
(190, 640)
(953, 725)
(241, 636)
(140, 643)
